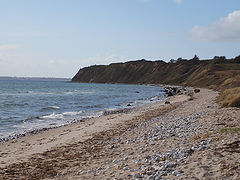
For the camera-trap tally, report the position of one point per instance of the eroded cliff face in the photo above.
(215, 73)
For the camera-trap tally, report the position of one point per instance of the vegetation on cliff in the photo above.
(218, 73)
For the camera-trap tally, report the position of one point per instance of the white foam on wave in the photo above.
(52, 116)
(110, 109)
(54, 107)
(86, 92)
(74, 113)
(68, 92)
(61, 115)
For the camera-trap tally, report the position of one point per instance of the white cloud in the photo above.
(225, 29)
(8, 47)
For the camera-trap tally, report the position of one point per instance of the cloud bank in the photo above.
(225, 29)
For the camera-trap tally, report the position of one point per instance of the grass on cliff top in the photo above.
(230, 97)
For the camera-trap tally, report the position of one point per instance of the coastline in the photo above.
(54, 116)
(85, 129)
(129, 145)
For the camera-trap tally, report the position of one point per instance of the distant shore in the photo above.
(166, 140)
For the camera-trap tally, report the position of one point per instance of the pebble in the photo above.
(152, 162)
(126, 168)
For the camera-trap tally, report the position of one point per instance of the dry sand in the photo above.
(183, 140)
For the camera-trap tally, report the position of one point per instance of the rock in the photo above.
(170, 93)
(129, 105)
(179, 91)
(150, 173)
(130, 176)
(196, 90)
(176, 173)
(131, 153)
(189, 151)
(113, 146)
(100, 169)
(148, 157)
(167, 102)
(94, 156)
(152, 177)
(171, 165)
(115, 161)
(137, 176)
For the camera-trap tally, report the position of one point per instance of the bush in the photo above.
(236, 102)
(230, 97)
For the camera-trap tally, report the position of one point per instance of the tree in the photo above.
(172, 61)
(179, 59)
(219, 57)
(195, 57)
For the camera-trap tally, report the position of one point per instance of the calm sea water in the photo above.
(30, 104)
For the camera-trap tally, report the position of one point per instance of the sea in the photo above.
(31, 104)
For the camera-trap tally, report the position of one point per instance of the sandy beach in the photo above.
(186, 139)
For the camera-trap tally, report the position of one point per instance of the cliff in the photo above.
(216, 73)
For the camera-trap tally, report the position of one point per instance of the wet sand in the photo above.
(182, 140)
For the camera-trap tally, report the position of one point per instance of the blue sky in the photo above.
(54, 38)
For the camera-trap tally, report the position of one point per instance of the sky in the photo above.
(55, 38)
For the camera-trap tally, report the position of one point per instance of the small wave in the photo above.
(52, 116)
(86, 92)
(15, 104)
(37, 93)
(61, 115)
(49, 108)
(30, 118)
(43, 93)
(68, 92)
(72, 113)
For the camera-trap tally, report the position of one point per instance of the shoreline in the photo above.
(38, 135)
(182, 140)
(95, 114)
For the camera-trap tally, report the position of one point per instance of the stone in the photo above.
(148, 157)
(196, 90)
(137, 176)
(100, 169)
(115, 161)
(167, 102)
(170, 93)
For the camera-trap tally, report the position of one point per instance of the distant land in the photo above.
(218, 73)
(34, 78)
